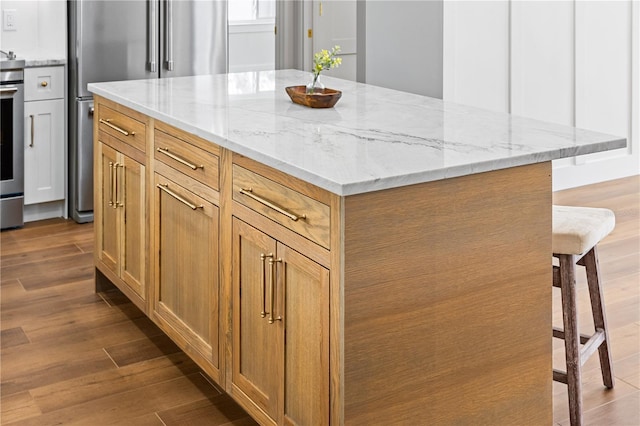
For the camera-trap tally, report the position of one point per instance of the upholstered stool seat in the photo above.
(577, 229)
(576, 233)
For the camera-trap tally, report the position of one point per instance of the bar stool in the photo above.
(576, 232)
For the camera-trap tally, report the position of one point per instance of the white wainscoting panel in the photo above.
(252, 47)
(570, 62)
(476, 53)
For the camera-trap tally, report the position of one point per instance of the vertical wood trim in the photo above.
(97, 193)
(150, 216)
(226, 262)
(336, 313)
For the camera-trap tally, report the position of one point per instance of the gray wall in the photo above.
(402, 42)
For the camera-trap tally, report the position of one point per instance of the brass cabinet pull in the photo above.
(32, 129)
(181, 160)
(272, 270)
(110, 183)
(44, 84)
(119, 183)
(249, 193)
(165, 188)
(107, 121)
(115, 203)
(263, 257)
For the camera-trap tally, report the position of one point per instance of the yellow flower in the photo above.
(325, 60)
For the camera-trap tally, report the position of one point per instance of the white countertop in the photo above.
(374, 138)
(35, 61)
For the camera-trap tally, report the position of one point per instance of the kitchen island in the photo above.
(386, 261)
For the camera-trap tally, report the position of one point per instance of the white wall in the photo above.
(570, 62)
(41, 29)
(404, 45)
(334, 24)
(251, 47)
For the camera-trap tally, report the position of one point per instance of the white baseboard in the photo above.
(42, 211)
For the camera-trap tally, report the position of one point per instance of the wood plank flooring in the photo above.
(73, 357)
(70, 356)
(619, 255)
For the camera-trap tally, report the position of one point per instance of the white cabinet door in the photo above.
(44, 151)
(334, 23)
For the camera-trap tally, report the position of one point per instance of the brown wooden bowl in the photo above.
(322, 98)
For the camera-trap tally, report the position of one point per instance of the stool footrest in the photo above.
(558, 333)
(592, 345)
(560, 376)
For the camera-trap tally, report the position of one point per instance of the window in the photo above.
(251, 10)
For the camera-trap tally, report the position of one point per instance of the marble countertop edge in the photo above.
(151, 101)
(43, 62)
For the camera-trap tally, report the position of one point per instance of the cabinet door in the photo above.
(131, 197)
(257, 345)
(44, 156)
(107, 228)
(304, 287)
(186, 239)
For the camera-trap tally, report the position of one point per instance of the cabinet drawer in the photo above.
(290, 208)
(121, 126)
(191, 160)
(42, 83)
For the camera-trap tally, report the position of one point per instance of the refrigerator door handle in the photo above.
(169, 35)
(151, 36)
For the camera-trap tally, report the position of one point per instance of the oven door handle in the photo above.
(8, 89)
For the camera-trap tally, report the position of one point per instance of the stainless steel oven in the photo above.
(12, 143)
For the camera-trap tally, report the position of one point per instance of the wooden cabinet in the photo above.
(280, 319)
(121, 209)
(311, 308)
(122, 220)
(44, 156)
(186, 222)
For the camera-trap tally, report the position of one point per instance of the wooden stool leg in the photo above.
(590, 261)
(571, 337)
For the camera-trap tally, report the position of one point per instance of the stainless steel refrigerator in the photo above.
(128, 40)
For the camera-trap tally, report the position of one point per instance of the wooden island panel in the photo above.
(435, 297)
(447, 298)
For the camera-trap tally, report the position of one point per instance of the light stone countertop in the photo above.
(373, 139)
(32, 62)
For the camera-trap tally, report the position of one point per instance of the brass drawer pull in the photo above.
(181, 160)
(272, 290)
(165, 188)
(249, 193)
(44, 84)
(263, 257)
(107, 121)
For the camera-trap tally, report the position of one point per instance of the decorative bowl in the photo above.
(322, 98)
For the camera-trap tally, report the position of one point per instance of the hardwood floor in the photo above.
(70, 356)
(619, 255)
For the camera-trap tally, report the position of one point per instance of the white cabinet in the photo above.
(44, 145)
